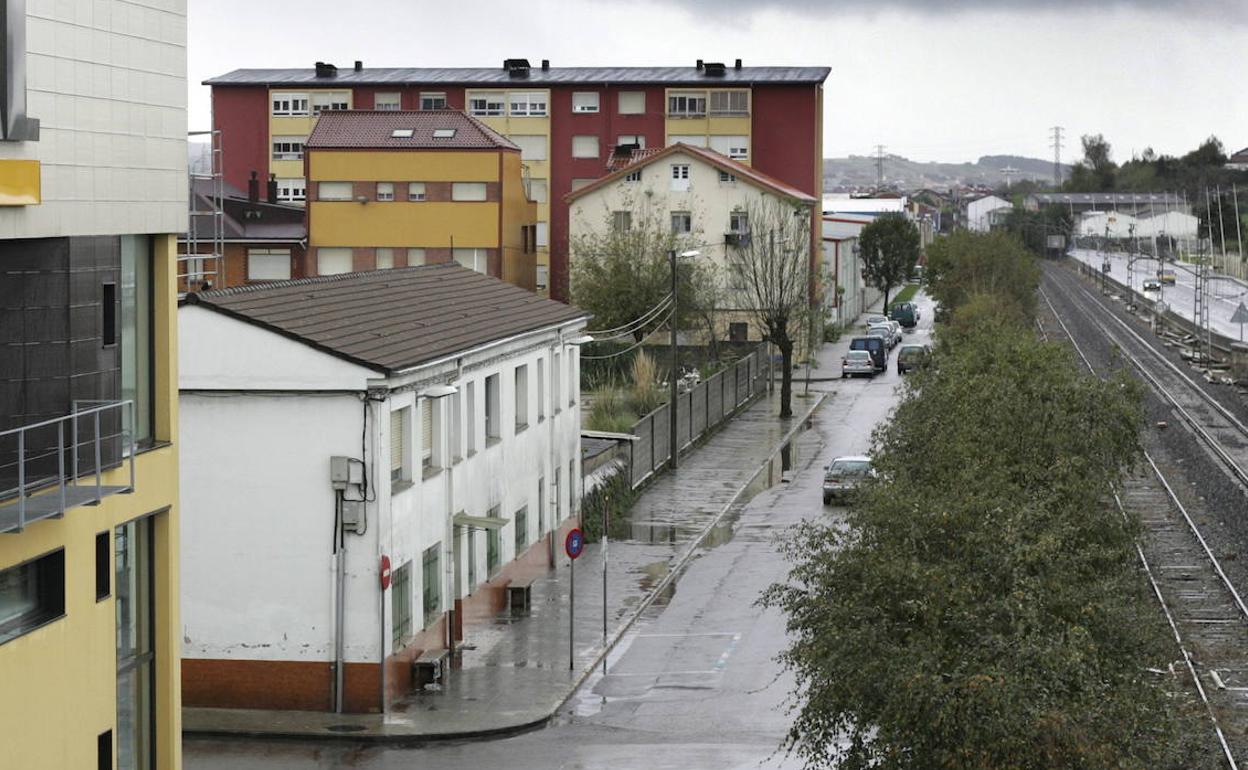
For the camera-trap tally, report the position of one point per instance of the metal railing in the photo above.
(38, 457)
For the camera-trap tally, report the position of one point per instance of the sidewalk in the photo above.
(514, 674)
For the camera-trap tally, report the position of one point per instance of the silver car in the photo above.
(843, 475)
(857, 362)
(885, 331)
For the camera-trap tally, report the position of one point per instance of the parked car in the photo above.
(857, 362)
(1152, 286)
(843, 475)
(885, 331)
(876, 346)
(896, 325)
(912, 357)
(904, 313)
(875, 318)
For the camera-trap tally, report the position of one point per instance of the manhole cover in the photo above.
(346, 728)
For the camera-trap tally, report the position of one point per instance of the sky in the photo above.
(945, 80)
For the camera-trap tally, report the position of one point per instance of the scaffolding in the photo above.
(201, 253)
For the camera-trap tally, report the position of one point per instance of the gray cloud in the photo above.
(1234, 11)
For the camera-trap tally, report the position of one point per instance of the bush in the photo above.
(610, 412)
(646, 395)
(832, 332)
(617, 493)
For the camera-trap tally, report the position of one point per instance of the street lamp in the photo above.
(673, 447)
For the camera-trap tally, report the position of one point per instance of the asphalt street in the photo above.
(695, 683)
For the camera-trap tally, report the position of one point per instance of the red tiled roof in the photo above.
(617, 162)
(722, 162)
(374, 129)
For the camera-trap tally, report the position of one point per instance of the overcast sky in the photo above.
(945, 80)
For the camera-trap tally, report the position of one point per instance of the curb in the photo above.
(677, 568)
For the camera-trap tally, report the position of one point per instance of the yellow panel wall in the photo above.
(400, 224)
(402, 166)
(519, 266)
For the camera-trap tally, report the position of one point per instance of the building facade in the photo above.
(445, 455)
(566, 120)
(397, 188)
(983, 214)
(93, 176)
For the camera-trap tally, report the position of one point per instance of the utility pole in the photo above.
(879, 167)
(673, 447)
(1056, 144)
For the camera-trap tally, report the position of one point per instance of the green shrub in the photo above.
(610, 411)
(646, 395)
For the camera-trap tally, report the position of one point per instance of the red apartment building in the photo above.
(568, 121)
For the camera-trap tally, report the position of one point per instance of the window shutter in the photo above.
(396, 440)
(426, 430)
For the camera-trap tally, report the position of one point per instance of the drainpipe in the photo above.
(339, 601)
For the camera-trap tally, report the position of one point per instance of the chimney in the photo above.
(699, 65)
(545, 65)
(253, 188)
(272, 188)
(737, 65)
(326, 70)
(359, 65)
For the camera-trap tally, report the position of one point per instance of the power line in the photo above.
(634, 327)
(1056, 144)
(626, 350)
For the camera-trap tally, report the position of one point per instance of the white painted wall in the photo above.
(977, 212)
(107, 81)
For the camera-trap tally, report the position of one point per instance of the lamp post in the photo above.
(673, 447)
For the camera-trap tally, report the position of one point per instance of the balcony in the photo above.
(49, 467)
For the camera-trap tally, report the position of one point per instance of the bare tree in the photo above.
(771, 271)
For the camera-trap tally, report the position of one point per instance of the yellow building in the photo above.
(399, 188)
(89, 626)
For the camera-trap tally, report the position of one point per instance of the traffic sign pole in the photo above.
(573, 546)
(1241, 318)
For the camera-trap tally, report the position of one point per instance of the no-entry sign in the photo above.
(575, 543)
(385, 572)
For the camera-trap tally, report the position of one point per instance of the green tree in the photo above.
(981, 606)
(966, 264)
(890, 250)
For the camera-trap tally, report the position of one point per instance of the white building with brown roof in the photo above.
(366, 460)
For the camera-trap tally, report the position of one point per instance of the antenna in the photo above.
(879, 166)
(1008, 172)
(1056, 144)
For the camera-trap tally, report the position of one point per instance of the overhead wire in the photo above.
(636, 325)
(626, 350)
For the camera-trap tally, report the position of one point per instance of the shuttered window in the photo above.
(396, 444)
(426, 434)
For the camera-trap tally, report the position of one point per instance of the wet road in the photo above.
(695, 683)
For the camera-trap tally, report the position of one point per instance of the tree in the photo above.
(890, 250)
(965, 264)
(771, 270)
(981, 606)
(1096, 172)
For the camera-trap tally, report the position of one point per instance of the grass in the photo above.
(905, 295)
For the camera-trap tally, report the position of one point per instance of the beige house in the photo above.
(703, 196)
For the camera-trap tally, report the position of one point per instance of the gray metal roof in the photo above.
(497, 76)
(1106, 198)
(391, 320)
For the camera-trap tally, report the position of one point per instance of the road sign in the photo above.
(575, 543)
(1241, 315)
(385, 572)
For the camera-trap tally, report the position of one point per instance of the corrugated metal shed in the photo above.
(497, 76)
(392, 320)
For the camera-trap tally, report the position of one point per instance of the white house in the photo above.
(980, 212)
(698, 193)
(419, 422)
(849, 295)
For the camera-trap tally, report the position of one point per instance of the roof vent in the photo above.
(545, 65)
(737, 65)
(401, 133)
(359, 65)
(443, 133)
(714, 69)
(326, 70)
(517, 68)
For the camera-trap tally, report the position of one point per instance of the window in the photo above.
(730, 102)
(432, 100)
(134, 587)
(735, 147)
(31, 595)
(108, 305)
(387, 101)
(400, 424)
(637, 139)
(572, 501)
(555, 374)
(288, 148)
(289, 104)
(541, 505)
(532, 146)
(493, 546)
(633, 176)
(686, 104)
(330, 100)
(470, 418)
(571, 379)
(543, 235)
(457, 426)
(333, 261)
(738, 331)
(334, 191)
(268, 264)
(401, 605)
(137, 374)
(584, 101)
(554, 491)
(468, 191)
(290, 190)
(632, 102)
(521, 525)
(739, 222)
(104, 750)
(585, 146)
(528, 103)
(485, 104)
(415, 191)
(426, 432)
(694, 140)
(522, 397)
(431, 579)
(443, 133)
(621, 221)
(473, 259)
(726, 178)
(680, 177)
(541, 389)
(682, 222)
(415, 257)
(543, 277)
(385, 258)
(103, 566)
(472, 560)
(385, 191)
(539, 192)
(402, 133)
(491, 408)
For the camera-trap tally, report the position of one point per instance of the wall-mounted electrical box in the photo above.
(340, 472)
(353, 516)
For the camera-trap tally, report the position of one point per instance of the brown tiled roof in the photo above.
(374, 129)
(391, 320)
(616, 162)
(722, 162)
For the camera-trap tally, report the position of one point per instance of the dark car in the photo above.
(904, 313)
(876, 346)
(912, 357)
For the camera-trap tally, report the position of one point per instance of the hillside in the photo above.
(859, 171)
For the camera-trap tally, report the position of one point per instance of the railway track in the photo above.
(1206, 613)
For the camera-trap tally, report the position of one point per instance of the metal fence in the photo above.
(698, 410)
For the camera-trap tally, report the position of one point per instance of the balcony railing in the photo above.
(48, 467)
